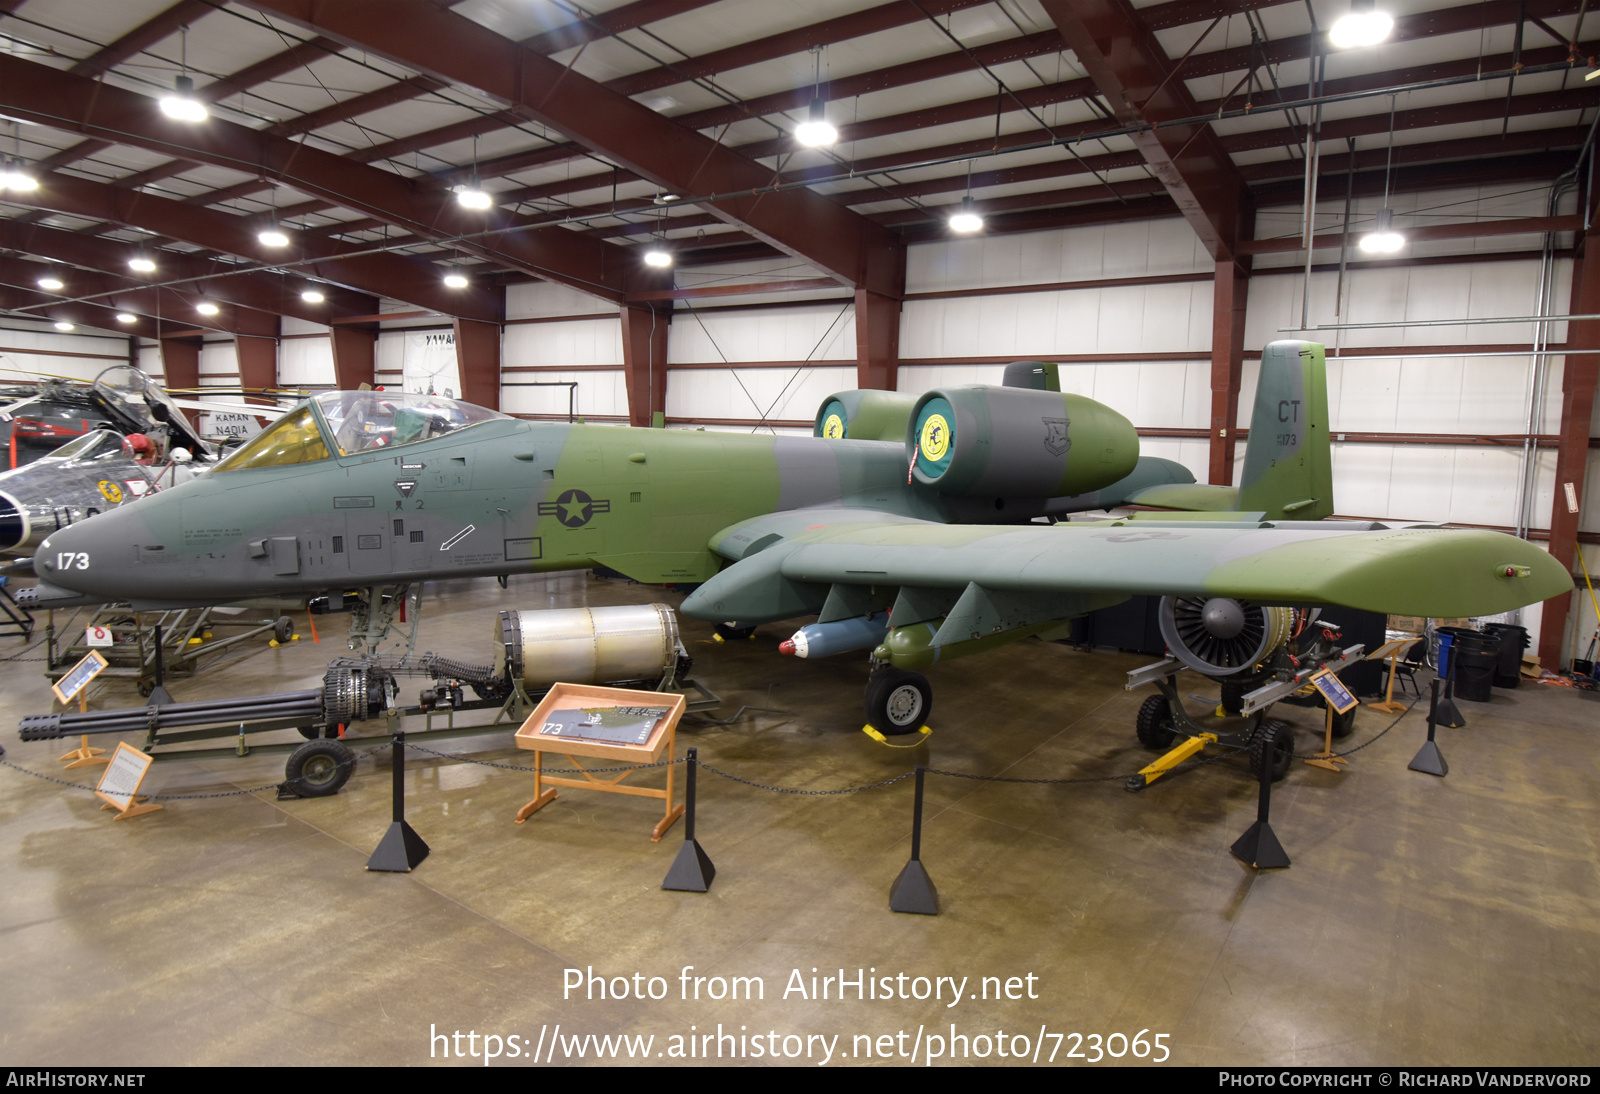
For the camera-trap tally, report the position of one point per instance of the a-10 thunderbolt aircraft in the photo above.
(926, 506)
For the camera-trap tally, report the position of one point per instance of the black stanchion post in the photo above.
(1445, 712)
(401, 849)
(1429, 760)
(159, 694)
(691, 871)
(1259, 846)
(913, 890)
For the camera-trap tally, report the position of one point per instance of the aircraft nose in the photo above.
(74, 558)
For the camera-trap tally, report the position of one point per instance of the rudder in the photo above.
(1288, 463)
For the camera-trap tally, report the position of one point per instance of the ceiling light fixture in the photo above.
(473, 196)
(816, 131)
(206, 307)
(1363, 26)
(966, 219)
(312, 296)
(52, 282)
(658, 256)
(272, 237)
(455, 280)
(1383, 239)
(14, 175)
(141, 263)
(62, 324)
(182, 105)
(125, 317)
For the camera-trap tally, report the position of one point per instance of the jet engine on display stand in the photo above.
(633, 645)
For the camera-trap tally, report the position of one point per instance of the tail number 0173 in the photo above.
(72, 560)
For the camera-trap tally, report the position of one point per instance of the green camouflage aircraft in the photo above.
(929, 506)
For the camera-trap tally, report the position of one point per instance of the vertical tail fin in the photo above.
(1288, 463)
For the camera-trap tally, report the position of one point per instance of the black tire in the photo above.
(1154, 724)
(729, 633)
(319, 768)
(899, 701)
(1273, 743)
(283, 629)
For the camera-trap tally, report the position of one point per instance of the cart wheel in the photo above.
(899, 701)
(1154, 724)
(283, 629)
(319, 768)
(146, 687)
(1273, 744)
(727, 632)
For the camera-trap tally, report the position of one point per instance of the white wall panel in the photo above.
(601, 392)
(291, 325)
(100, 353)
(823, 332)
(150, 361)
(581, 342)
(219, 365)
(306, 362)
(539, 299)
(753, 393)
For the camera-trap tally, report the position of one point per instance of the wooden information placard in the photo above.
(1392, 650)
(119, 785)
(1339, 701)
(601, 723)
(74, 685)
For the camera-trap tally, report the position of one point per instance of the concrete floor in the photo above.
(1424, 921)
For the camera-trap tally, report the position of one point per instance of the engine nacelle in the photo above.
(1221, 636)
(864, 415)
(982, 441)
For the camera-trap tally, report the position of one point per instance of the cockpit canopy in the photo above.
(349, 422)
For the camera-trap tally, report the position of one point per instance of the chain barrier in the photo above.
(1366, 744)
(1224, 752)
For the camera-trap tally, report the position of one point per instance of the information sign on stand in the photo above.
(119, 785)
(98, 637)
(1339, 701)
(576, 720)
(75, 685)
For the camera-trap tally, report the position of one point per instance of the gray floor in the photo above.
(1424, 921)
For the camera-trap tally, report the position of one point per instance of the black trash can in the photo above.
(1475, 656)
(1513, 640)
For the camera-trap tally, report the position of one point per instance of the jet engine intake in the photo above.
(981, 441)
(1221, 636)
(864, 415)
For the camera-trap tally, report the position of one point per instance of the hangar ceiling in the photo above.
(602, 128)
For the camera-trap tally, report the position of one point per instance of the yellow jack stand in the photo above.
(1326, 759)
(1190, 747)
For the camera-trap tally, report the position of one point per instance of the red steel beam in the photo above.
(450, 47)
(115, 295)
(478, 356)
(142, 37)
(55, 98)
(355, 357)
(644, 361)
(1579, 378)
(1134, 76)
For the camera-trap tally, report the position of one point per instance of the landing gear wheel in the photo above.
(1154, 724)
(319, 768)
(283, 629)
(1273, 745)
(729, 633)
(899, 701)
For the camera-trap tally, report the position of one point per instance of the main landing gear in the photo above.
(898, 701)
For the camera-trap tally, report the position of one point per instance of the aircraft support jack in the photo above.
(1176, 722)
(401, 849)
(1429, 760)
(1445, 712)
(913, 891)
(692, 871)
(1259, 846)
(373, 618)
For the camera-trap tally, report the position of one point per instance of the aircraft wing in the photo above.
(789, 570)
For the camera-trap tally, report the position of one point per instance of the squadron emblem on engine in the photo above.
(1056, 441)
